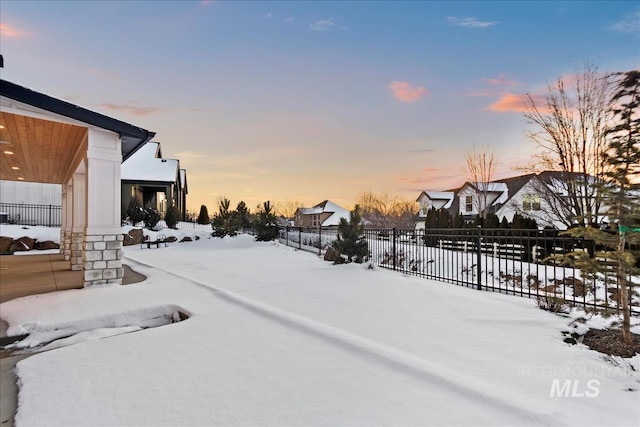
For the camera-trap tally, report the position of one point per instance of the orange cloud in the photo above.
(517, 103)
(129, 108)
(406, 92)
(8, 31)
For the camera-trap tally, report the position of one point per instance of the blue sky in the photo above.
(309, 101)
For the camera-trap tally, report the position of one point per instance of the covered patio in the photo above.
(37, 274)
(48, 140)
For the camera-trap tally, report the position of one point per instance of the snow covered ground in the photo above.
(279, 337)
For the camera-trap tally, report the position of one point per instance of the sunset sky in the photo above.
(309, 101)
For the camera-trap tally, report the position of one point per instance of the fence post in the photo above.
(299, 237)
(393, 246)
(320, 240)
(50, 208)
(286, 230)
(479, 258)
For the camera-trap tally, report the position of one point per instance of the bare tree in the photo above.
(386, 211)
(570, 131)
(480, 167)
(287, 209)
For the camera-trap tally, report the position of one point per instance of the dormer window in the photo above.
(468, 204)
(531, 202)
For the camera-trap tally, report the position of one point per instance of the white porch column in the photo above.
(102, 259)
(63, 219)
(67, 218)
(78, 217)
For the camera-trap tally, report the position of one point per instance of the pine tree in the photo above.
(135, 212)
(265, 225)
(172, 216)
(242, 216)
(151, 216)
(351, 241)
(623, 157)
(224, 222)
(491, 220)
(203, 217)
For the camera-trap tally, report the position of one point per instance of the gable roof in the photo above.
(327, 206)
(146, 164)
(132, 137)
(448, 196)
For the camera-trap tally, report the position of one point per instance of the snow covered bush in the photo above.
(172, 216)
(351, 241)
(265, 226)
(135, 213)
(151, 217)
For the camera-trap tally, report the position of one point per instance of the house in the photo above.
(324, 214)
(49, 140)
(542, 196)
(428, 200)
(153, 180)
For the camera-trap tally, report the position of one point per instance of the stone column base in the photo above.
(102, 260)
(75, 254)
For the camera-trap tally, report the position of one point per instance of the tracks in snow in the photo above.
(392, 358)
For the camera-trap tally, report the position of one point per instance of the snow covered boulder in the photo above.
(48, 244)
(186, 239)
(330, 254)
(22, 244)
(135, 236)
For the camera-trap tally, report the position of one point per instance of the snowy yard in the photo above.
(279, 337)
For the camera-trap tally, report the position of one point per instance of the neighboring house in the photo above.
(154, 181)
(479, 197)
(325, 214)
(543, 197)
(433, 200)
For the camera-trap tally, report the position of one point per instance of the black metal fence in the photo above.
(26, 214)
(527, 263)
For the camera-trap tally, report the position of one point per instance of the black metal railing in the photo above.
(527, 263)
(27, 214)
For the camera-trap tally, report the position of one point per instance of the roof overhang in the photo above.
(132, 137)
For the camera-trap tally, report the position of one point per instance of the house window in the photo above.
(468, 203)
(531, 202)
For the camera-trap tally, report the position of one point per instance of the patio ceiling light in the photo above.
(15, 168)
(20, 178)
(8, 152)
(5, 142)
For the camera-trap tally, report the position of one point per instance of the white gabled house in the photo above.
(432, 200)
(324, 214)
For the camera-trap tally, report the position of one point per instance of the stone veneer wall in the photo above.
(103, 259)
(65, 244)
(75, 254)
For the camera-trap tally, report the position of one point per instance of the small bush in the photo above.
(203, 217)
(551, 303)
(172, 216)
(265, 226)
(351, 241)
(151, 218)
(135, 213)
